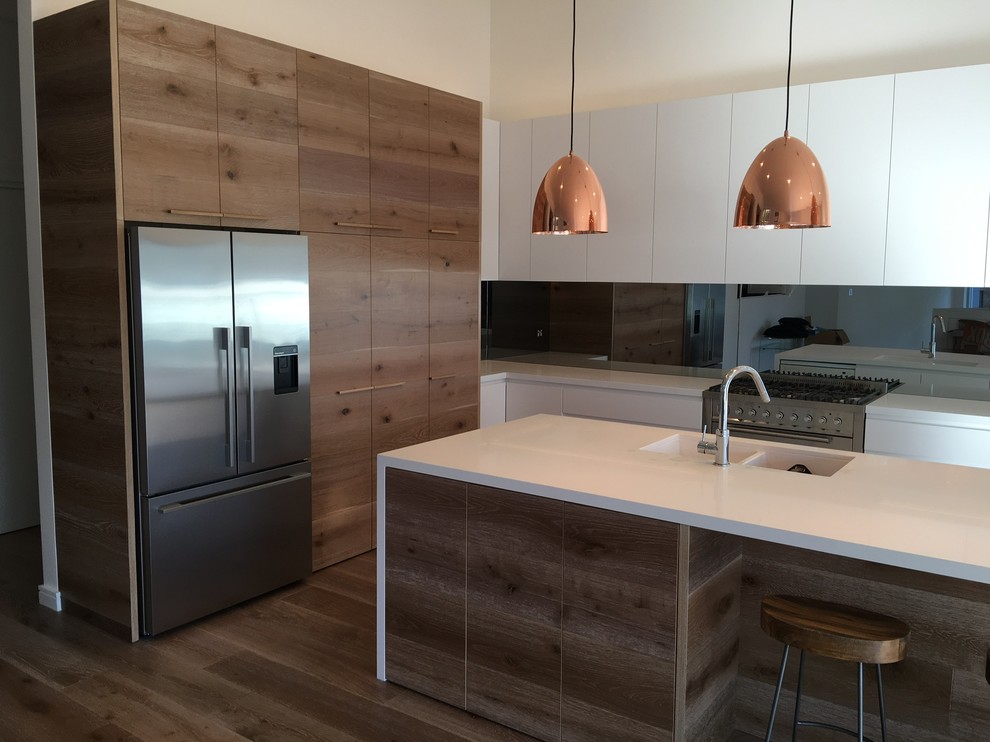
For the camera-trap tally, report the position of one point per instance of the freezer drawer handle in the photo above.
(228, 394)
(186, 504)
(363, 225)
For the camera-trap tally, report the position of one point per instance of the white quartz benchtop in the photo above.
(919, 515)
(688, 385)
(957, 363)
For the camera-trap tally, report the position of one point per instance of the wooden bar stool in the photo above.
(837, 631)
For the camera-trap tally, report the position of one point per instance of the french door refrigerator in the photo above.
(220, 346)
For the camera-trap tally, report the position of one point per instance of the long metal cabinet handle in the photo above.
(365, 225)
(228, 395)
(250, 393)
(185, 504)
(444, 231)
(194, 212)
(355, 390)
(259, 217)
(445, 376)
(389, 386)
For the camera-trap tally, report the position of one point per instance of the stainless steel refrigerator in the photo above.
(704, 320)
(220, 346)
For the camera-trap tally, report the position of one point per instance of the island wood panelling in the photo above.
(573, 613)
(149, 116)
(938, 693)
(85, 315)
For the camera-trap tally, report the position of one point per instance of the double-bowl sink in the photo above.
(746, 453)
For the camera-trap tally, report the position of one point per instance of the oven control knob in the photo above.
(738, 411)
(752, 413)
(822, 420)
(808, 418)
(837, 421)
(766, 413)
(779, 415)
(794, 417)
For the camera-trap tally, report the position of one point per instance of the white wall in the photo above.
(441, 43)
(18, 463)
(642, 51)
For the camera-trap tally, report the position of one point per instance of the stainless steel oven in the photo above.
(809, 409)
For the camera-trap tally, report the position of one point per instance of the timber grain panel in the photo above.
(85, 310)
(334, 145)
(513, 609)
(168, 115)
(340, 342)
(930, 695)
(425, 584)
(455, 166)
(619, 620)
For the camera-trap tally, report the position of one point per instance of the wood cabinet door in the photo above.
(455, 167)
(340, 396)
(258, 136)
(514, 609)
(617, 649)
(334, 145)
(400, 156)
(168, 116)
(400, 290)
(454, 338)
(425, 552)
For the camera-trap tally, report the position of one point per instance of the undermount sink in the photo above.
(746, 453)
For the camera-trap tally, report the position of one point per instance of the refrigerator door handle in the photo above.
(246, 334)
(225, 349)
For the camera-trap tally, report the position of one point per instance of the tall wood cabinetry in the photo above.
(145, 115)
(389, 184)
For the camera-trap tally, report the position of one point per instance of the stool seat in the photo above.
(834, 630)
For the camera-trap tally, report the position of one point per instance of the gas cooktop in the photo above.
(784, 385)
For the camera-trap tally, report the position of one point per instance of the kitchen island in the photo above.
(553, 575)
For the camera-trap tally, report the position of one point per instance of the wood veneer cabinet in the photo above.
(207, 123)
(560, 620)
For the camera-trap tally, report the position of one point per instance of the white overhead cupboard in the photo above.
(906, 157)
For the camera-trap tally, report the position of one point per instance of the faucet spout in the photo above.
(721, 447)
(931, 345)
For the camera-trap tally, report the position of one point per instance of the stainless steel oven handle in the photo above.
(771, 433)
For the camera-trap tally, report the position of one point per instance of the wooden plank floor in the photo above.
(298, 664)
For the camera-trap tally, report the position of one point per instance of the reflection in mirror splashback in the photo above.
(699, 329)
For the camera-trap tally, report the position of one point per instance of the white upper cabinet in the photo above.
(692, 183)
(939, 178)
(515, 199)
(849, 131)
(489, 199)
(762, 255)
(557, 257)
(623, 146)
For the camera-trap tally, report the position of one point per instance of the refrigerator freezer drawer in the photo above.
(203, 555)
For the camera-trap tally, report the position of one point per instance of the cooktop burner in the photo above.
(783, 385)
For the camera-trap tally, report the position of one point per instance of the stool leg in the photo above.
(797, 697)
(776, 695)
(860, 701)
(883, 713)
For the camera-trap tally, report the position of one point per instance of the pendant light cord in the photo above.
(790, 43)
(573, 45)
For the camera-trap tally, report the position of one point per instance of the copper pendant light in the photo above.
(569, 200)
(785, 187)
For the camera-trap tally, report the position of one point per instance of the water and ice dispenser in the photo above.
(286, 362)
